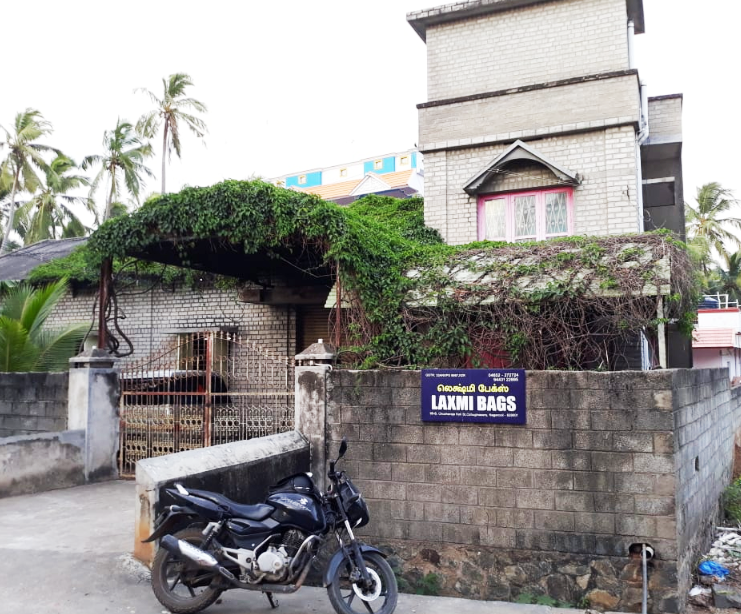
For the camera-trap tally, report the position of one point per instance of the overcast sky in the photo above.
(296, 84)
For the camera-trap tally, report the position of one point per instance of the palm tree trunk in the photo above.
(11, 213)
(107, 213)
(164, 151)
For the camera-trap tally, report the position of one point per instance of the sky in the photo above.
(295, 85)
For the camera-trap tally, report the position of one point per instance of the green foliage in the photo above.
(429, 584)
(732, 502)
(171, 114)
(24, 344)
(416, 301)
(122, 164)
(23, 160)
(81, 267)
(49, 214)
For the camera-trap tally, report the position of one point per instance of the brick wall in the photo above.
(665, 118)
(707, 418)
(549, 41)
(33, 403)
(600, 465)
(527, 114)
(152, 319)
(604, 203)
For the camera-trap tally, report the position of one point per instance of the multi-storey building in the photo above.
(537, 124)
(397, 174)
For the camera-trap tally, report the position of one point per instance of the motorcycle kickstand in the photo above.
(273, 601)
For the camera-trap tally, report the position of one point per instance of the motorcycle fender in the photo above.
(339, 556)
(175, 518)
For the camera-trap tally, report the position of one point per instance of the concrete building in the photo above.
(537, 124)
(400, 175)
(716, 342)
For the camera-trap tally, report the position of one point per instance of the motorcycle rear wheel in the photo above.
(180, 586)
(346, 598)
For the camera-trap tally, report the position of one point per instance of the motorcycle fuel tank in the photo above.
(297, 509)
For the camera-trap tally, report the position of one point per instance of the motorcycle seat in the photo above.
(259, 511)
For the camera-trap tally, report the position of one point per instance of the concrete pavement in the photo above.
(67, 552)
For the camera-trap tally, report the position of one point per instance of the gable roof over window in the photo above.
(518, 151)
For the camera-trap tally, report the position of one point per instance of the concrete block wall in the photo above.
(544, 42)
(33, 403)
(604, 203)
(152, 319)
(40, 462)
(242, 471)
(602, 463)
(665, 118)
(707, 425)
(529, 113)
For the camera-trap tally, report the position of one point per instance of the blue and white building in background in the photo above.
(398, 174)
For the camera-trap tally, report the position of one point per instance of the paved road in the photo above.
(66, 552)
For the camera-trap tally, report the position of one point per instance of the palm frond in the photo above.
(57, 347)
(17, 354)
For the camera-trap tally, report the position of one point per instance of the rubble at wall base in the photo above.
(484, 572)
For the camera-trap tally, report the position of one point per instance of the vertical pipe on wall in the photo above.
(631, 42)
(661, 330)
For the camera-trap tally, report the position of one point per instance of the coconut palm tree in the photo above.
(728, 280)
(709, 225)
(23, 155)
(169, 113)
(123, 161)
(24, 344)
(48, 215)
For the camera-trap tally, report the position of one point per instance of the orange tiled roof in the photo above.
(397, 179)
(345, 188)
(713, 338)
(332, 190)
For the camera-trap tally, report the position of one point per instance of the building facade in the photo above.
(400, 175)
(716, 341)
(537, 124)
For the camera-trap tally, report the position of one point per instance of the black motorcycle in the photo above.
(269, 547)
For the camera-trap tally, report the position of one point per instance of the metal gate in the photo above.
(208, 388)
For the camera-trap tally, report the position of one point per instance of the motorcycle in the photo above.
(210, 544)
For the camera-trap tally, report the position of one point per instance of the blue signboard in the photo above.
(494, 396)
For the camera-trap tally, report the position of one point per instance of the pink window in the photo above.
(526, 216)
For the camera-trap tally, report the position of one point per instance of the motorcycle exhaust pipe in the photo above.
(203, 559)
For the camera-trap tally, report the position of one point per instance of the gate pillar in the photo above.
(93, 407)
(312, 367)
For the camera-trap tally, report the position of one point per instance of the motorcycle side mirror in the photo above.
(343, 448)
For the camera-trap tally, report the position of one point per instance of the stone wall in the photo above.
(505, 49)
(33, 403)
(551, 507)
(153, 319)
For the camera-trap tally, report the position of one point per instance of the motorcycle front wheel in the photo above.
(347, 597)
(182, 587)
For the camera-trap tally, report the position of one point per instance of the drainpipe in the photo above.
(631, 48)
(641, 138)
(646, 554)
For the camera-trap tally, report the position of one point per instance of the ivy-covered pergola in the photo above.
(408, 299)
